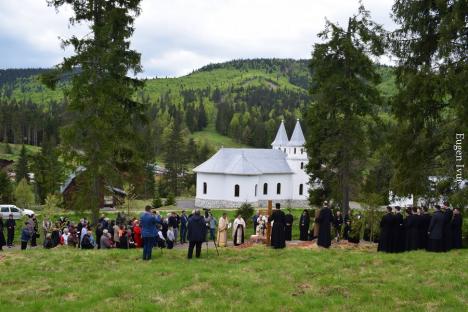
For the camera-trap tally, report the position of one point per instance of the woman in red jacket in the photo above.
(137, 234)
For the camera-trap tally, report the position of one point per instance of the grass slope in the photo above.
(16, 148)
(215, 139)
(255, 279)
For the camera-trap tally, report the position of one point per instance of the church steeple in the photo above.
(281, 138)
(297, 138)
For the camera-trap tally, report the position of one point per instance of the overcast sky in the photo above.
(178, 36)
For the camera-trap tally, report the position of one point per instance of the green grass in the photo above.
(16, 148)
(214, 139)
(254, 279)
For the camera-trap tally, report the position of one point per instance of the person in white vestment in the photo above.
(238, 230)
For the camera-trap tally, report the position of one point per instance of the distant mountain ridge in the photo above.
(243, 100)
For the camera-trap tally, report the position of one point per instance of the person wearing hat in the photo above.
(278, 235)
(324, 220)
(436, 231)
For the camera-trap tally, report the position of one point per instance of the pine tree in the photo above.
(24, 194)
(22, 166)
(6, 189)
(343, 85)
(157, 202)
(48, 170)
(430, 42)
(101, 135)
(175, 156)
(8, 149)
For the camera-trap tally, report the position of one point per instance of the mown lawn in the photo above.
(254, 279)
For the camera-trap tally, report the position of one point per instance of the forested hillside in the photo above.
(241, 99)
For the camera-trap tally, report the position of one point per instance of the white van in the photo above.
(17, 213)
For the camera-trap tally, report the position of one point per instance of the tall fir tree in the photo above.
(431, 45)
(101, 135)
(343, 86)
(22, 166)
(6, 188)
(175, 156)
(48, 170)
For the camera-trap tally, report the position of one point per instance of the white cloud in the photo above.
(178, 36)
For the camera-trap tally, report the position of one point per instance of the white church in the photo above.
(234, 176)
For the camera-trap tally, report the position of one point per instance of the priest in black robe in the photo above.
(288, 219)
(304, 223)
(457, 223)
(436, 230)
(324, 220)
(386, 227)
(412, 230)
(447, 234)
(398, 231)
(424, 221)
(277, 231)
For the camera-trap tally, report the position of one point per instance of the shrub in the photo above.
(170, 200)
(245, 210)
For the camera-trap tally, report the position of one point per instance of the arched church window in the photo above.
(265, 189)
(205, 187)
(294, 150)
(236, 190)
(278, 188)
(301, 189)
(302, 151)
(255, 190)
(302, 165)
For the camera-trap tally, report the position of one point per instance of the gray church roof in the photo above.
(246, 161)
(281, 138)
(297, 138)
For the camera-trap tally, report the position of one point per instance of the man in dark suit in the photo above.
(435, 231)
(183, 227)
(196, 233)
(386, 227)
(148, 232)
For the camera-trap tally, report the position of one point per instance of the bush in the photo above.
(246, 211)
(157, 202)
(170, 200)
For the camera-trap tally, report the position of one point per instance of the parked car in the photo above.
(17, 212)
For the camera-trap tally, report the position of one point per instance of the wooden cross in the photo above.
(267, 213)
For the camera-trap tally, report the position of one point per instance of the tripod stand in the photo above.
(216, 247)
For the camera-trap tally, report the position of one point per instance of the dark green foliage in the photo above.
(431, 43)
(170, 200)
(246, 210)
(8, 149)
(6, 188)
(101, 135)
(22, 166)
(345, 96)
(157, 202)
(175, 156)
(48, 170)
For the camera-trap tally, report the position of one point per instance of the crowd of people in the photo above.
(438, 232)
(441, 231)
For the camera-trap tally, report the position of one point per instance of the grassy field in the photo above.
(15, 149)
(253, 279)
(214, 139)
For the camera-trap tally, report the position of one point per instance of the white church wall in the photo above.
(272, 180)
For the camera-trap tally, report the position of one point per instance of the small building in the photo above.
(234, 176)
(110, 197)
